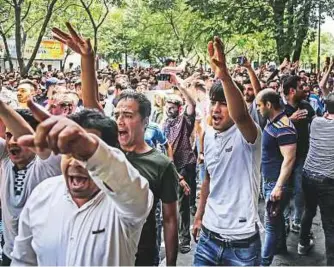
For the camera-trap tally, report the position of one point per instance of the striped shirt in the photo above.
(320, 156)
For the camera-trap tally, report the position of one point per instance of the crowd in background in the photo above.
(218, 147)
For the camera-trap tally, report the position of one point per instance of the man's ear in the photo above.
(146, 121)
(269, 105)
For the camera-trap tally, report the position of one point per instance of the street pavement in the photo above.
(316, 256)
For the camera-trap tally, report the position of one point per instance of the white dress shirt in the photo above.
(11, 203)
(53, 230)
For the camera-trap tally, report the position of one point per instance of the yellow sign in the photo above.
(48, 49)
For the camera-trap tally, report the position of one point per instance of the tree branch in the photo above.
(105, 14)
(27, 12)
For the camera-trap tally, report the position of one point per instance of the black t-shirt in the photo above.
(302, 126)
(163, 180)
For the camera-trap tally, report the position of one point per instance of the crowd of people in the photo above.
(97, 165)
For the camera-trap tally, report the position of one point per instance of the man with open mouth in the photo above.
(94, 212)
(21, 171)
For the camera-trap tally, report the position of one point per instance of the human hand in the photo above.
(299, 115)
(197, 225)
(59, 134)
(73, 40)
(185, 186)
(276, 194)
(217, 57)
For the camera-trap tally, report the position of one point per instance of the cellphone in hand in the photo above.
(241, 60)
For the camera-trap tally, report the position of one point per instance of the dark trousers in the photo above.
(319, 192)
(145, 257)
(189, 174)
(5, 260)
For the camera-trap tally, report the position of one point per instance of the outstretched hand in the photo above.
(59, 134)
(73, 40)
(217, 57)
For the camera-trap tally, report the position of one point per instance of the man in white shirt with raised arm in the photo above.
(94, 213)
(228, 210)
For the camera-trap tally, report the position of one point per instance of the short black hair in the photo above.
(247, 81)
(27, 81)
(330, 103)
(217, 92)
(28, 117)
(290, 82)
(93, 119)
(272, 97)
(143, 102)
(169, 60)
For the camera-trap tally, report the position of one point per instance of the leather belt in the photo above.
(243, 243)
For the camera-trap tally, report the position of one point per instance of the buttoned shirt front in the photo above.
(104, 231)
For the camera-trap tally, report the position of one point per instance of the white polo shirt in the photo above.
(234, 167)
(105, 231)
(12, 203)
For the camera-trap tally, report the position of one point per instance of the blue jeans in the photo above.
(210, 253)
(200, 167)
(275, 228)
(296, 181)
(158, 219)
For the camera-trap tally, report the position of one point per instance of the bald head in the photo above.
(269, 95)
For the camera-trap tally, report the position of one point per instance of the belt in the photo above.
(243, 243)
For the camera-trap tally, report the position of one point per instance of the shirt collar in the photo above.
(278, 117)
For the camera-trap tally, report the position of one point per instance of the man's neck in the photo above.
(139, 148)
(249, 104)
(292, 103)
(23, 105)
(274, 114)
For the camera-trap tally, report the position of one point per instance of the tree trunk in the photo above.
(278, 9)
(40, 37)
(11, 67)
(95, 47)
(302, 30)
(18, 39)
(62, 66)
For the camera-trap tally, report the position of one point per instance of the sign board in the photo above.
(48, 50)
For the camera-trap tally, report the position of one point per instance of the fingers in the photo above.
(60, 39)
(53, 136)
(194, 232)
(211, 49)
(60, 35)
(41, 141)
(38, 111)
(26, 141)
(65, 138)
(73, 32)
(218, 48)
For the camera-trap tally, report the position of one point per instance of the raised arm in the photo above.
(253, 78)
(90, 96)
(107, 166)
(190, 101)
(13, 121)
(324, 80)
(235, 103)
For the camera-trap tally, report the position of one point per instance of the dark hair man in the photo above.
(178, 128)
(301, 113)
(132, 116)
(94, 212)
(278, 157)
(228, 218)
(21, 171)
(25, 90)
(318, 182)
